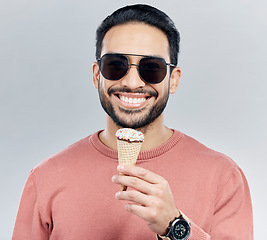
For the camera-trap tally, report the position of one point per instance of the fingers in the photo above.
(141, 173)
(150, 198)
(133, 197)
(142, 212)
(133, 182)
(147, 207)
(141, 180)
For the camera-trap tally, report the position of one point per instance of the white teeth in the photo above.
(132, 100)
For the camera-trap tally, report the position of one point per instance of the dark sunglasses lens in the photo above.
(152, 70)
(113, 67)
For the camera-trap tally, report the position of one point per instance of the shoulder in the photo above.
(201, 151)
(202, 158)
(67, 158)
(210, 164)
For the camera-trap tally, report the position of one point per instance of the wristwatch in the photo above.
(179, 229)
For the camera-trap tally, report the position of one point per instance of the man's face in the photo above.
(130, 102)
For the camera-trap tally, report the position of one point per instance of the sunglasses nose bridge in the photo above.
(132, 79)
(135, 65)
(132, 64)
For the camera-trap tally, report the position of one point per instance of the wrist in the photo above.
(176, 214)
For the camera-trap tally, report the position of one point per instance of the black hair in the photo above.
(144, 14)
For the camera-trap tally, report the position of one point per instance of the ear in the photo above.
(175, 79)
(96, 74)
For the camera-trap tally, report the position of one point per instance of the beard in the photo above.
(127, 122)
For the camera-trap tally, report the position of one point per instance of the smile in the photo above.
(130, 100)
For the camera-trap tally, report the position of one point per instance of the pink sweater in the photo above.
(70, 196)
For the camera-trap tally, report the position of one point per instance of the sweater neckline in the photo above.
(143, 155)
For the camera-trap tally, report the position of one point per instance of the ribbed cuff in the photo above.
(197, 233)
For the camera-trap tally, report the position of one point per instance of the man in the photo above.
(179, 188)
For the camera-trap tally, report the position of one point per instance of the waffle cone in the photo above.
(128, 153)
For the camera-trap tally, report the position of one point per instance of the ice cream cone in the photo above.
(128, 148)
(127, 154)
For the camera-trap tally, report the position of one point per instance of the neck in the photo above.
(155, 134)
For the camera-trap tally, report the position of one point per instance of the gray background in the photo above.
(48, 100)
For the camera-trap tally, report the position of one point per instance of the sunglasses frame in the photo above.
(131, 64)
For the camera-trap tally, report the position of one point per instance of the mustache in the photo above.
(128, 90)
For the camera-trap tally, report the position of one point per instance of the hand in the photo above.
(151, 197)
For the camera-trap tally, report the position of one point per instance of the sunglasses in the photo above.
(114, 66)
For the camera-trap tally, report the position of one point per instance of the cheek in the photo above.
(103, 85)
(163, 88)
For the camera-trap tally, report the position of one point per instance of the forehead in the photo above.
(136, 38)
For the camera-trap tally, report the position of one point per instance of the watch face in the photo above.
(181, 230)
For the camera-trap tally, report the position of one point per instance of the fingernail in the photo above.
(120, 167)
(113, 178)
(117, 195)
(127, 207)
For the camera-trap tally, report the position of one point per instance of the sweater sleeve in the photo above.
(233, 218)
(29, 224)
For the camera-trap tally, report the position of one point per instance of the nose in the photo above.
(132, 79)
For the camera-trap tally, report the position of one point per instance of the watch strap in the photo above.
(162, 237)
(185, 217)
